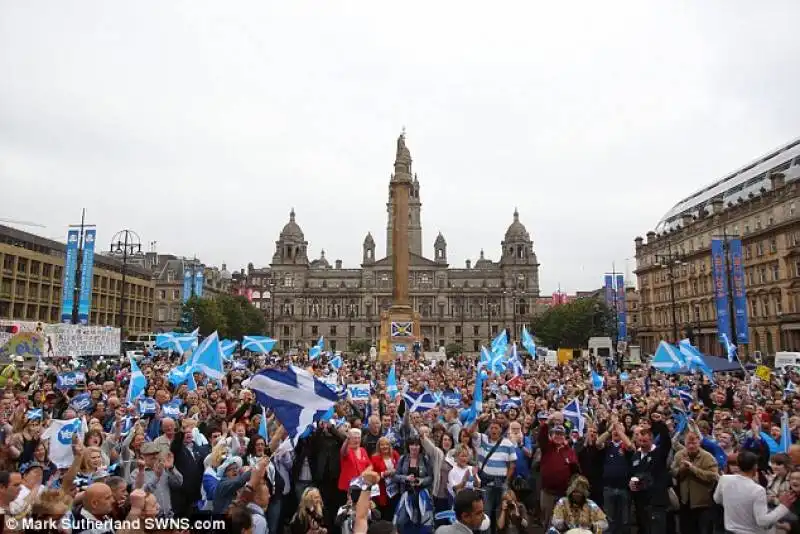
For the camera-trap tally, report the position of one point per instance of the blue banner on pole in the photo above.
(622, 328)
(719, 271)
(87, 268)
(68, 283)
(609, 288)
(198, 282)
(738, 292)
(187, 284)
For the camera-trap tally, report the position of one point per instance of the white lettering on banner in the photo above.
(399, 348)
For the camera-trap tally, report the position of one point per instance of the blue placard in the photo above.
(359, 391)
(172, 409)
(70, 380)
(87, 268)
(738, 292)
(451, 399)
(719, 270)
(147, 406)
(68, 283)
(187, 284)
(198, 283)
(81, 402)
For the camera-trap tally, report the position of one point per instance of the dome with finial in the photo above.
(483, 263)
(369, 241)
(292, 230)
(517, 230)
(321, 263)
(440, 242)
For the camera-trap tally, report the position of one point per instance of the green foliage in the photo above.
(571, 325)
(453, 349)
(360, 346)
(231, 316)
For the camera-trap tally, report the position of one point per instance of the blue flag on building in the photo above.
(87, 268)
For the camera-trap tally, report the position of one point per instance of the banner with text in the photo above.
(87, 268)
(609, 290)
(738, 292)
(719, 270)
(187, 284)
(622, 328)
(198, 283)
(68, 284)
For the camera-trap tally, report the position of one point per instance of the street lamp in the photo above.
(126, 243)
(669, 261)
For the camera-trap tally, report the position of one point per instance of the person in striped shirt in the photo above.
(496, 460)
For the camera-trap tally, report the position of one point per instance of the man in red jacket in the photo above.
(559, 462)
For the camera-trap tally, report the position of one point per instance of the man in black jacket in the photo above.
(189, 459)
(650, 476)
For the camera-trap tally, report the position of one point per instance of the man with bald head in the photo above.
(97, 505)
(168, 427)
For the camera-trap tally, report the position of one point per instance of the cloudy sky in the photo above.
(200, 124)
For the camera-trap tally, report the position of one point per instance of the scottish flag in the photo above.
(316, 351)
(597, 381)
(572, 413)
(259, 344)
(262, 425)
(514, 402)
(208, 357)
(228, 348)
(178, 375)
(694, 358)
(683, 394)
(294, 395)
(730, 348)
(500, 343)
(419, 402)
(469, 415)
(37, 414)
(336, 362)
(391, 383)
(177, 341)
(667, 358)
(528, 343)
(493, 361)
(137, 385)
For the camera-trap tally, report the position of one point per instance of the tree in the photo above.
(204, 314)
(571, 325)
(231, 316)
(453, 349)
(360, 346)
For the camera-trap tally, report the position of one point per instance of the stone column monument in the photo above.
(400, 325)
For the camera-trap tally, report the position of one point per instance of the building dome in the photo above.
(321, 263)
(292, 230)
(483, 263)
(517, 230)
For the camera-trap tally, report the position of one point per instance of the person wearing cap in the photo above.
(559, 462)
(231, 479)
(156, 474)
(29, 490)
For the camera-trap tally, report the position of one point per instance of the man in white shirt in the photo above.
(745, 501)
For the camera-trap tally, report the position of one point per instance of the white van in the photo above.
(786, 359)
(148, 340)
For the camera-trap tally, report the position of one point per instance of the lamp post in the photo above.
(669, 261)
(125, 243)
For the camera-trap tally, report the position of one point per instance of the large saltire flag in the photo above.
(208, 357)
(260, 344)
(179, 342)
(137, 385)
(316, 351)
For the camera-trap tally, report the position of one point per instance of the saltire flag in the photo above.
(514, 402)
(597, 381)
(499, 344)
(228, 348)
(391, 383)
(493, 361)
(528, 343)
(336, 362)
(178, 375)
(470, 415)
(667, 358)
(404, 329)
(694, 358)
(572, 413)
(730, 348)
(295, 396)
(179, 342)
(419, 402)
(316, 351)
(259, 344)
(137, 385)
(37, 414)
(208, 357)
(683, 394)
(514, 362)
(262, 425)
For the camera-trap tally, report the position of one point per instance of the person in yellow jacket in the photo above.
(9, 376)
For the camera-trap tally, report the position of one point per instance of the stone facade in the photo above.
(768, 222)
(304, 299)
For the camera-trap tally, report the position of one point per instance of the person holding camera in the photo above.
(513, 518)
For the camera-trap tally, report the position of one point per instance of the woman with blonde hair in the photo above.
(513, 518)
(51, 507)
(385, 461)
(310, 515)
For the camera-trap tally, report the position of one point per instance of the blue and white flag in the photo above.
(786, 433)
(451, 399)
(147, 406)
(391, 383)
(694, 358)
(37, 414)
(294, 395)
(624, 376)
(469, 415)
(70, 380)
(316, 351)
(572, 412)
(208, 357)
(667, 358)
(499, 344)
(683, 394)
(228, 348)
(60, 434)
(336, 362)
(493, 361)
(262, 425)
(730, 348)
(508, 404)
(259, 344)
(137, 385)
(178, 375)
(359, 391)
(419, 402)
(790, 389)
(81, 402)
(172, 409)
(515, 363)
(239, 365)
(179, 342)
(528, 343)
(597, 381)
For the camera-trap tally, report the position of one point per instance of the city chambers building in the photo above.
(757, 203)
(304, 298)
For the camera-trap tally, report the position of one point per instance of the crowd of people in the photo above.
(549, 450)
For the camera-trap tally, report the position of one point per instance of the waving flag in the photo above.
(500, 343)
(208, 357)
(294, 395)
(493, 361)
(391, 383)
(694, 358)
(683, 394)
(316, 351)
(730, 348)
(419, 402)
(262, 425)
(228, 348)
(37, 414)
(259, 344)
(514, 362)
(514, 402)
(178, 375)
(667, 358)
(572, 413)
(336, 362)
(528, 343)
(786, 433)
(137, 385)
(597, 381)
(177, 341)
(469, 415)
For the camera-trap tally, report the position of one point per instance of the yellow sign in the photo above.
(25, 344)
(763, 372)
(564, 356)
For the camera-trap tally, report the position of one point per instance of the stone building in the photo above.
(758, 203)
(32, 276)
(304, 298)
(168, 272)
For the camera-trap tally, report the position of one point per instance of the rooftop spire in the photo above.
(516, 214)
(291, 215)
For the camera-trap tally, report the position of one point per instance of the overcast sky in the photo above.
(200, 124)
